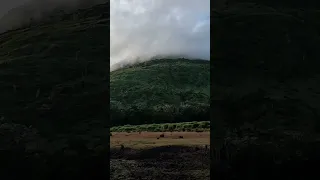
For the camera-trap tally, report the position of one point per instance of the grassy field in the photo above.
(177, 155)
(152, 152)
(153, 139)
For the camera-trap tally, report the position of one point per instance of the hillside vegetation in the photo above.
(160, 91)
(53, 74)
(54, 96)
(195, 126)
(265, 89)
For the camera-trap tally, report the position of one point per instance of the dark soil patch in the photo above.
(167, 162)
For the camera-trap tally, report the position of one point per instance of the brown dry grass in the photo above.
(149, 139)
(168, 157)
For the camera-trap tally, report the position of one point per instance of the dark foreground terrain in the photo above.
(265, 90)
(160, 163)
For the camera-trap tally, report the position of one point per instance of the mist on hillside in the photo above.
(17, 13)
(143, 29)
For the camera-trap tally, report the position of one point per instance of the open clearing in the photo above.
(150, 139)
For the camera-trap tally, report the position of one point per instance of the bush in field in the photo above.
(186, 126)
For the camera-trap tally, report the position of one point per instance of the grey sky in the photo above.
(147, 28)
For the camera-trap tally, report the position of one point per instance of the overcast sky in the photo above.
(147, 28)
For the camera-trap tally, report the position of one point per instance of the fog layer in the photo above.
(142, 29)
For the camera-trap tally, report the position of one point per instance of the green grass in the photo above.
(165, 127)
(160, 91)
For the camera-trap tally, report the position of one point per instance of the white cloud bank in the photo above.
(147, 28)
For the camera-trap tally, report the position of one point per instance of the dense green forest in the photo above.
(160, 91)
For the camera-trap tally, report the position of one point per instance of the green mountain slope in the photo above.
(54, 96)
(160, 91)
(53, 73)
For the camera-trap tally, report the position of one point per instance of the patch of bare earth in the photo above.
(147, 155)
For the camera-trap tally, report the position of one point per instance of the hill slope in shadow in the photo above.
(54, 96)
(265, 84)
(53, 74)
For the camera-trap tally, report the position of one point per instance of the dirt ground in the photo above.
(144, 156)
(141, 140)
